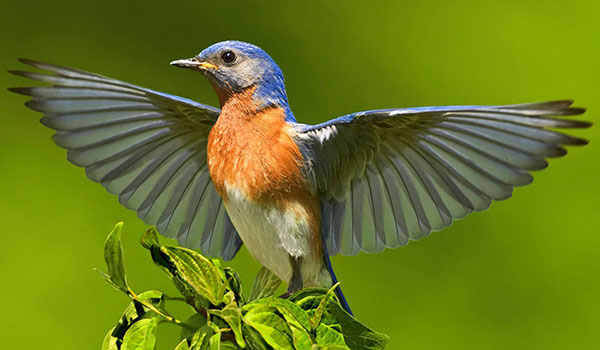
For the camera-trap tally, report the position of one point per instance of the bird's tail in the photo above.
(338, 290)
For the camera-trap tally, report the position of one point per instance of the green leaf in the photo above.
(199, 339)
(318, 314)
(225, 345)
(193, 323)
(327, 335)
(234, 283)
(110, 341)
(308, 298)
(155, 297)
(265, 284)
(198, 336)
(149, 238)
(232, 315)
(113, 255)
(254, 339)
(215, 341)
(291, 312)
(357, 335)
(141, 335)
(273, 328)
(297, 319)
(108, 279)
(183, 345)
(198, 272)
(195, 276)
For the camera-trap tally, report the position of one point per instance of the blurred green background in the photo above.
(523, 275)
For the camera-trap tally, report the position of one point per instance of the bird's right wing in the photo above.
(147, 147)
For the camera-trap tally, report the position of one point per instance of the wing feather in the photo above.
(376, 205)
(149, 148)
(402, 173)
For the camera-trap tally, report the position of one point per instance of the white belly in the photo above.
(272, 234)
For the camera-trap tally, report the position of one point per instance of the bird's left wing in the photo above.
(389, 176)
(147, 147)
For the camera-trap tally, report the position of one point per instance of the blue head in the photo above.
(235, 66)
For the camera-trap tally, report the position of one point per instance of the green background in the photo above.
(523, 275)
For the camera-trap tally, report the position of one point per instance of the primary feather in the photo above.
(147, 147)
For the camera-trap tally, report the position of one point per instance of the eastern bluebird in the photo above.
(293, 193)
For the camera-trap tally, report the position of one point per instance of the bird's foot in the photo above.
(295, 283)
(286, 295)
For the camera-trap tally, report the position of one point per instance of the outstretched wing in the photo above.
(389, 176)
(147, 147)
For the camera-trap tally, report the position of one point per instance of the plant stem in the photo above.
(175, 298)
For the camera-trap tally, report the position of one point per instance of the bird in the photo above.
(294, 194)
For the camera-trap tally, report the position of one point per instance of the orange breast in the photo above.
(253, 151)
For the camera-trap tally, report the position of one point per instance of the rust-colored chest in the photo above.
(253, 152)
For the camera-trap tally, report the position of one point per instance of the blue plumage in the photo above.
(263, 72)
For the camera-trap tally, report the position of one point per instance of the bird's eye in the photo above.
(228, 56)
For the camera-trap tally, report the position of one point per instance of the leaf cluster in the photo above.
(223, 318)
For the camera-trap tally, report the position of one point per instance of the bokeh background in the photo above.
(522, 275)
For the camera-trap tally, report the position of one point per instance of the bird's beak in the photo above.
(193, 63)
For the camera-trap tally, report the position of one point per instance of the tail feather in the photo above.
(338, 290)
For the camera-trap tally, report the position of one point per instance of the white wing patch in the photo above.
(325, 133)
